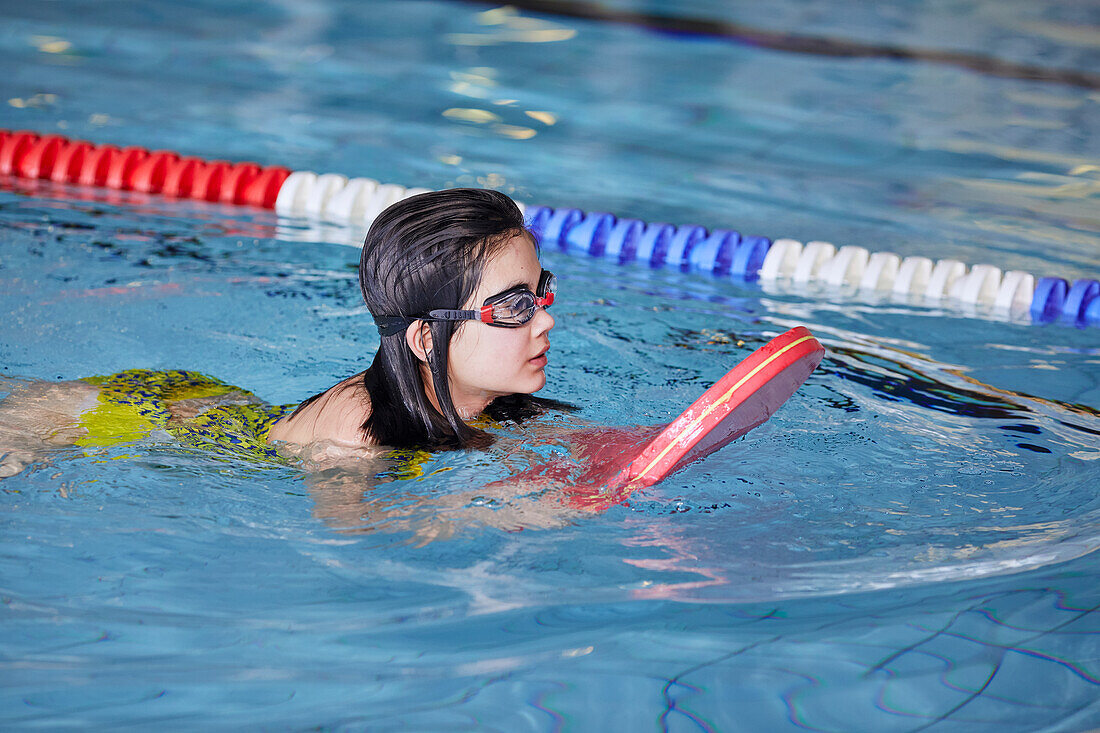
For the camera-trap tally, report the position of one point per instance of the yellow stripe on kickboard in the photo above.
(718, 403)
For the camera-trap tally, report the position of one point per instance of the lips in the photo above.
(540, 360)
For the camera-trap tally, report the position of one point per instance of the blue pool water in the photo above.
(909, 544)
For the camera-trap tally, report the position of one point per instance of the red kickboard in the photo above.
(743, 399)
(746, 397)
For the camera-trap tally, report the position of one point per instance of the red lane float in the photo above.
(208, 180)
(121, 167)
(96, 165)
(149, 175)
(39, 160)
(14, 147)
(263, 190)
(179, 176)
(59, 159)
(236, 180)
(70, 161)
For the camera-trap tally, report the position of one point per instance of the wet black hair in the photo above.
(429, 251)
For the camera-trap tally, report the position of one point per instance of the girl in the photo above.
(453, 281)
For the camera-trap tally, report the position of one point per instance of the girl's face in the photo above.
(486, 361)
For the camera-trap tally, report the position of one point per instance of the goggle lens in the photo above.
(516, 307)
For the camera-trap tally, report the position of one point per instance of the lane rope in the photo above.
(776, 265)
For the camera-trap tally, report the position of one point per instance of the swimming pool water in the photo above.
(908, 544)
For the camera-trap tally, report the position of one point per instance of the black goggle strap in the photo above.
(390, 325)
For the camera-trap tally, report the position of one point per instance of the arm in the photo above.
(37, 417)
(545, 491)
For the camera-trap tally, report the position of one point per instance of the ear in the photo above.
(419, 338)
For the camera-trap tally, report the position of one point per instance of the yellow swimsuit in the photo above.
(134, 403)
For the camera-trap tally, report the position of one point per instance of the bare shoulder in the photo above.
(337, 417)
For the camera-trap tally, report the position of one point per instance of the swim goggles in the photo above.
(510, 309)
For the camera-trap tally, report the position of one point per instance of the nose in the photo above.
(542, 322)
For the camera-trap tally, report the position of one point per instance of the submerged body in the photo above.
(453, 282)
(485, 364)
(129, 406)
(455, 287)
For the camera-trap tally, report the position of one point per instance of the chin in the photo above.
(533, 385)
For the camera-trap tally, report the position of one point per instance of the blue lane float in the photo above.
(590, 234)
(714, 253)
(653, 244)
(727, 253)
(1078, 300)
(1050, 296)
(749, 257)
(1092, 312)
(622, 242)
(681, 245)
(558, 223)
